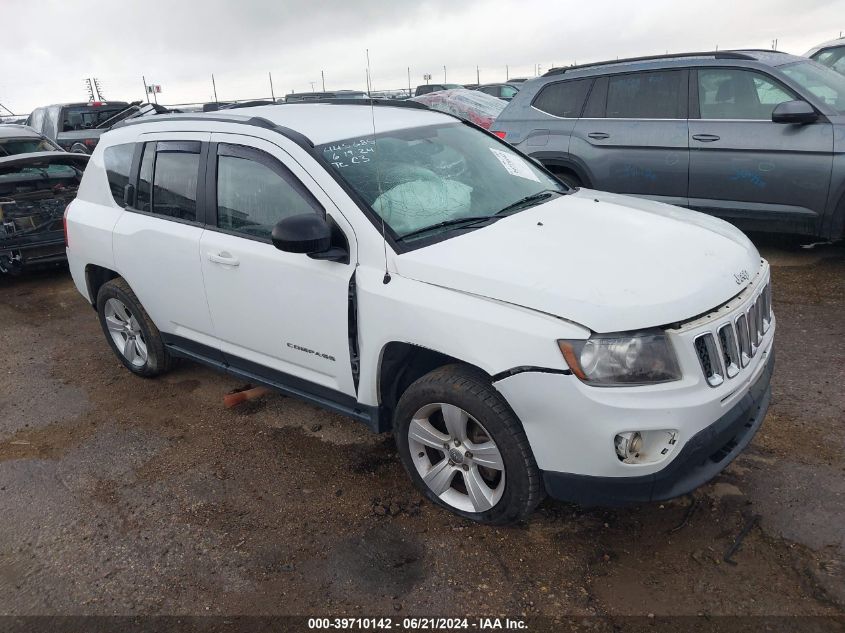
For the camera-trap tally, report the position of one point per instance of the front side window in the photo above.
(435, 179)
(508, 92)
(118, 162)
(824, 83)
(734, 93)
(254, 192)
(645, 95)
(564, 99)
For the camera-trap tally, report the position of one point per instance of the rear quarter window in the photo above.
(118, 163)
(563, 99)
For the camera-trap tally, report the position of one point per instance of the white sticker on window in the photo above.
(515, 165)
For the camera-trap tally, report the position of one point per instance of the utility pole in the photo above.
(214, 87)
(507, 72)
(774, 44)
(444, 73)
(477, 75)
(312, 85)
(146, 92)
(323, 75)
(409, 82)
(272, 94)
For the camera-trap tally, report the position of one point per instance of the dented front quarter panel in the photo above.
(491, 335)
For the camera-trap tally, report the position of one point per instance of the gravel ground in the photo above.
(120, 495)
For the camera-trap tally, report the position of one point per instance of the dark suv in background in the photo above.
(754, 137)
(76, 127)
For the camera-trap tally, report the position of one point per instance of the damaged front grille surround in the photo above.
(724, 352)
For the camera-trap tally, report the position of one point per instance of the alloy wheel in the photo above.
(126, 332)
(456, 457)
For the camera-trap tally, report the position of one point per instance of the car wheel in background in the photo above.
(130, 332)
(569, 179)
(464, 448)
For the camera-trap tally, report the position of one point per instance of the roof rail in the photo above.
(393, 103)
(297, 137)
(715, 54)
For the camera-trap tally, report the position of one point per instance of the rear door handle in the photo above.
(705, 138)
(599, 136)
(224, 258)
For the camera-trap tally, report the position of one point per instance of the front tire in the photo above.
(130, 332)
(464, 448)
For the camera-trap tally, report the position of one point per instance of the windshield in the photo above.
(422, 177)
(13, 146)
(824, 83)
(86, 117)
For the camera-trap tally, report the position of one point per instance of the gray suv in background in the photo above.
(754, 137)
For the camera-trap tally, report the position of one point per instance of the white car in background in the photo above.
(415, 273)
(830, 54)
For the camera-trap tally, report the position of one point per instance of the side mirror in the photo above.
(794, 112)
(310, 234)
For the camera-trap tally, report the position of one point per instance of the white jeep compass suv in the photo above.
(414, 272)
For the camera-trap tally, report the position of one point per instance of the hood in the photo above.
(608, 262)
(42, 159)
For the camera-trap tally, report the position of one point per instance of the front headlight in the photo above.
(639, 358)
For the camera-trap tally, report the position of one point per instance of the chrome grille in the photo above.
(744, 339)
(708, 356)
(730, 352)
(726, 351)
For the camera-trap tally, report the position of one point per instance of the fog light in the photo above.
(629, 445)
(645, 447)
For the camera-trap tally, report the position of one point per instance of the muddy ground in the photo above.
(120, 495)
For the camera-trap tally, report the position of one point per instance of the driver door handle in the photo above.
(599, 136)
(705, 138)
(223, 258)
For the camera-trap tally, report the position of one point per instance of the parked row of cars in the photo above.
(754, 137)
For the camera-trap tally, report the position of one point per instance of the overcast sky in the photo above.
(48, 47)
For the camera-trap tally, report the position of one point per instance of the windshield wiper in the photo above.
(454, 222)
(529, 201)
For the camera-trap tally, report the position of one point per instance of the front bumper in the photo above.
(703, 457)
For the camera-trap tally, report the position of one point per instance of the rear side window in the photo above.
(167, 179)
(145, 179)
(647, 95)
(175, 179)
(254, 192)
(118, 161)
(564, 99)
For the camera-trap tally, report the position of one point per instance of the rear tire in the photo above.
(130, 332)
(464, 448)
